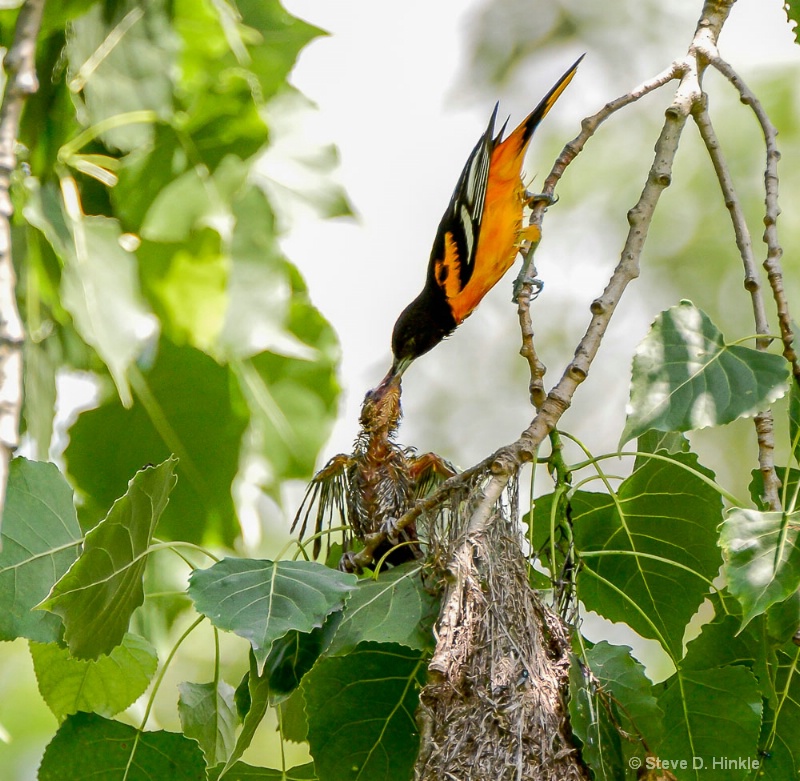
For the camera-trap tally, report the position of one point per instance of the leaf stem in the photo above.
(301, 544)
(724, 493)
(154, 691)
(764, 423)
(172, 544)
(91, 133)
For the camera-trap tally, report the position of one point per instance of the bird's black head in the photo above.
(421, 326)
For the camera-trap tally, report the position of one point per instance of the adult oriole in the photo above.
(478, 238)
(477, 241)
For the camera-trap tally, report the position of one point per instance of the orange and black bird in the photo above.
(478, 238)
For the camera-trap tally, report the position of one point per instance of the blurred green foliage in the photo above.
(147, 253)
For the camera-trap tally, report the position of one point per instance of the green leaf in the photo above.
(99, 285)
(252, 700)
(623, 704)
(208, 715)
(100, 290)
(790, 478)
(291, 657)
(653, 441)
(56, 15)
(783, 619)
(792, 8)
(711, 716)
(646, 561)
(395, 608)
(186, 284)
(623, 677)
(262, 37)
(686, 377)
(262, 291)
(188, 405)
(40, 363)
(762, 559)
(44, 210)
(780, 749)
(194, 199)
(40, 540)
(242, 772)
(293, 718)
(598, 738)
(105, 686)
(133, 74)
(721, 644)
(98, 594)
(227, 289)
(291, 419)
(144, 173)
(88, 747)
(298, 169)
(794, 418)
(279, 38)
(263, 600)
(293, 402)
(349, 742)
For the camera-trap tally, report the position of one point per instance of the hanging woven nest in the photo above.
(494, 707)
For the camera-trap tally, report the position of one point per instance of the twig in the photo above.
(589, 127)
(20, 66)
(763, 421)
(528, 349)
(734, 206)
(774, 250)
(639, 219)
(483, 511)
(523, 286)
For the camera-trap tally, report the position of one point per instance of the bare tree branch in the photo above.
(734, 206)
(589, 127)
(772, 264)
(763, 421)
(20, 66)
(525, 282)
(639, 218)
(528, 349)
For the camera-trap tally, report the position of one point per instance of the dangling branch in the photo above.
(764, 423)
(772, 264)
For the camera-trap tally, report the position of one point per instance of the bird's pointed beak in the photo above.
(399, 365)
(393, 376)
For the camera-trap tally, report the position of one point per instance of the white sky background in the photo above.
(393, 96)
